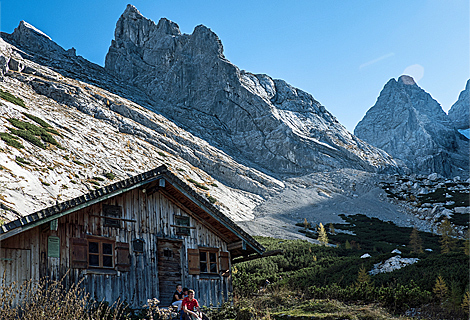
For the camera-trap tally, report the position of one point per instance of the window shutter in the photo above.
(79, 253)
(224, 263)
(193, 261)
(123, 261)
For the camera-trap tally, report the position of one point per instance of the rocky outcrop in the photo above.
(410, 125)
(459, 113)
(261, 121)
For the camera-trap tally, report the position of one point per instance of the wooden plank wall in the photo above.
(154, 215)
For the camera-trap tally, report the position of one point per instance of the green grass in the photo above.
(22, 161)
(31, 132)
(198, 184)
(39, 121)
(109, 175)
(5, 95)
(211, 199)
(11, 140)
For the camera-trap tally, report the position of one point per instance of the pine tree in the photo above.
(448, 242)
(332, 228)
(440, 288)
(362, 276)
(416, 243)
(322, 237)
(466, 243)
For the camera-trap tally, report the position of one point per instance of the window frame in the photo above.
(182, 229)
(100, 252)
(207, 252)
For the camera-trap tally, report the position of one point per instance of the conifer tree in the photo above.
(322, 237)
(466, 243)
(448, 242)
(362, 276)
(416, 243)
(332, 228)
(440, 288)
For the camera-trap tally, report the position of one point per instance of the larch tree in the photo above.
(448, 242)
(322, 237)
(416, 243)
(440, 288)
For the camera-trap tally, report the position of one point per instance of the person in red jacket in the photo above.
(190, 307)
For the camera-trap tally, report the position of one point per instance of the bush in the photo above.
(5, 95)
(11, 140)
(110, 175)
(198, 184)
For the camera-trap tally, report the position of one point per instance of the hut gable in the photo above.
(133, 240)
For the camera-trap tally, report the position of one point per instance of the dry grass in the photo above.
(48, 299)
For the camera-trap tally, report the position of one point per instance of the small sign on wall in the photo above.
(53, 247)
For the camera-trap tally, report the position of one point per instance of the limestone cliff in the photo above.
(263, 122)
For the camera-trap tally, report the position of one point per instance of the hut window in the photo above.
(182, 225)
(208, 261)
(112, 215)
(100, 254)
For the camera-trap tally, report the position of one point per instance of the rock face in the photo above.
(410, 125)
(459, 113)
(261, 121)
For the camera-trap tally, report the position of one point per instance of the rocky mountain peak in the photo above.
(261, 121)
(406, 80)
(30, 37)
(459, 113)
(410, 125)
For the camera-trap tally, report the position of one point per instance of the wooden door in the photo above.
(169, 269)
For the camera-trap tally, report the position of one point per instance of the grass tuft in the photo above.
(5, 95)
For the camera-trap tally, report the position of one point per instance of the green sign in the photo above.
(53, 247)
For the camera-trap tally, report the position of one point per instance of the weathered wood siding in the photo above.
(152, 215)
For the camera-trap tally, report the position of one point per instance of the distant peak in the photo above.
(131, 9)
(26, 27)
(406, 80)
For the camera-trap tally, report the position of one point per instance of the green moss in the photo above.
(11, 140)
(109, 175)
(5, 95)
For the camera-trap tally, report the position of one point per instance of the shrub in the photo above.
(5, 95)
(98, 178)
(30, 132)
(39, 121)
(22, 161)
(28, 136)
(11, 140)
(77, 162)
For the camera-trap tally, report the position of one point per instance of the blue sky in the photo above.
(342, 52)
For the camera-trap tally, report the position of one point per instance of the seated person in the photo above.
(191, 310)
(178, 297)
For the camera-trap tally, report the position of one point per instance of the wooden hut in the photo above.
(134, 240)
